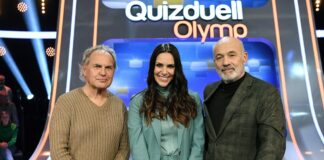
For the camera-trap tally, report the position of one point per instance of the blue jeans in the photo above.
(5, 154)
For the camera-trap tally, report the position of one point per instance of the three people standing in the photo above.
(244, 117)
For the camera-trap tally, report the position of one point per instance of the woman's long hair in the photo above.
(179, 105)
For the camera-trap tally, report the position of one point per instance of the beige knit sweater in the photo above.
(80, 130)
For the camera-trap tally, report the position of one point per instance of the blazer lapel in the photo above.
(209, 123)
(211, 92)
(235, 102)
(156, 125)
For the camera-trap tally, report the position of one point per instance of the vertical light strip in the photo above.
(44, 137)
(283, 81)
(57, 58)
(68, 74)
(316, 55)
(95, 23)
(308, 87)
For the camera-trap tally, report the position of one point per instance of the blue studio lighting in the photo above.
(15, 71)
(31, 20)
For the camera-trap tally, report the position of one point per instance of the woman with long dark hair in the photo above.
(165, 120)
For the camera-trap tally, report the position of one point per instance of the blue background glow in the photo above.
(197, 60)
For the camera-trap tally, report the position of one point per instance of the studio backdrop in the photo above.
(279, 37)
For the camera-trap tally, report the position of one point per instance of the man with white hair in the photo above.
(90, 122)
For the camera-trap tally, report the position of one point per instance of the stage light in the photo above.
(27, 35)
(297, 70)
(31, 96)
(298, 114)
(2, 51)
(22, 7)
(50, 51)
(31, 19)
(317, 4)
(15, 71)
(42, 63)
(43, 6)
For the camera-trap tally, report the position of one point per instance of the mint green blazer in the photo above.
(145, 139)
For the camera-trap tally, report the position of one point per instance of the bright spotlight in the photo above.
(43, 7)
(15, 71)
(50, 51)
(31, 19)
(31, 96)
(2, 51)
(22, 7)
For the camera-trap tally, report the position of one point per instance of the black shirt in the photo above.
(219, 101)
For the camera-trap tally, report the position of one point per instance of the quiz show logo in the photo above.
(186, 17)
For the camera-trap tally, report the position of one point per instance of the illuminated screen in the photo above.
(133, 63)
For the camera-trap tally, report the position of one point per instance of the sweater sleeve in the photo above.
(60, 130)
(123, 151)
(13, 139)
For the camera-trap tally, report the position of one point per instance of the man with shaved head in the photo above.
(244, 115)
